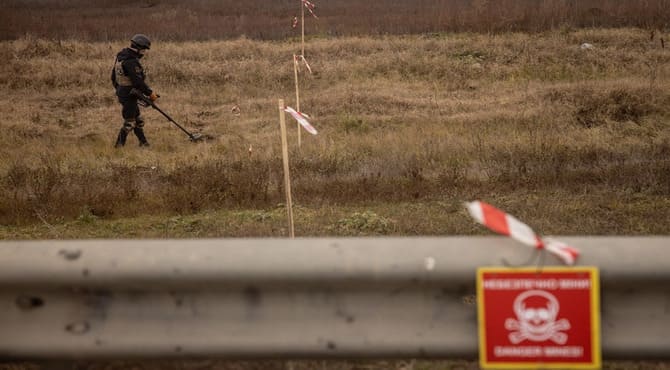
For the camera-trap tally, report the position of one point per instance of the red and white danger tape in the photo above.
(300, 117)
(310, 6)
(506, 224)
(298, 58)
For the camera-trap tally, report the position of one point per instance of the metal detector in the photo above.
(147, 102)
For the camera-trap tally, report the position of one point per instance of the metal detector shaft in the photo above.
(154, 106)
(145, 99)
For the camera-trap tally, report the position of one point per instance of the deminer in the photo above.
(128, 77)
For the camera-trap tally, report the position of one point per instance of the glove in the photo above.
(154, 96)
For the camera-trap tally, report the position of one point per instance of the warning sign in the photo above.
(530, 319)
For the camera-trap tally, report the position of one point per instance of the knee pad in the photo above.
(128, 125)
(139, 122)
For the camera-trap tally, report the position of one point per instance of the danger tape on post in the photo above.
(300, 117)
(506, 224)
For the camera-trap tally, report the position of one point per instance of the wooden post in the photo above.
(287, 176)
(302, 17)
(297, 95)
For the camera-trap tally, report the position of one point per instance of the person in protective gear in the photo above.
(127, 75)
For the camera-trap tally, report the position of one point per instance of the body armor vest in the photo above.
(121, 77)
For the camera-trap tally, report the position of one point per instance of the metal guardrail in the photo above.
(354, 297)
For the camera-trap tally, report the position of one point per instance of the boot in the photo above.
(121, 139)
(139, 132)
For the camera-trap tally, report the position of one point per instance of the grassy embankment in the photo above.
(573, 141)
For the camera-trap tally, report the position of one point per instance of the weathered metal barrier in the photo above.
(281, 298)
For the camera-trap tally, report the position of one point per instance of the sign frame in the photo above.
(594, 318)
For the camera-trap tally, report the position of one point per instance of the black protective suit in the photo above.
(128, 74)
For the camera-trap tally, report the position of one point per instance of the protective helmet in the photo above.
(140, 41)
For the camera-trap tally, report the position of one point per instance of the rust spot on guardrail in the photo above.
(27, 303)
(78, 328)
(70, 255)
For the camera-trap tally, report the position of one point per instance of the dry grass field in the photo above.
(573, 141)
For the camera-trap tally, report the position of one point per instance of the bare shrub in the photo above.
(619, 105)
(193, 187)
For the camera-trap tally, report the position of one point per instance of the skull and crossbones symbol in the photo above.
(538, 322)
